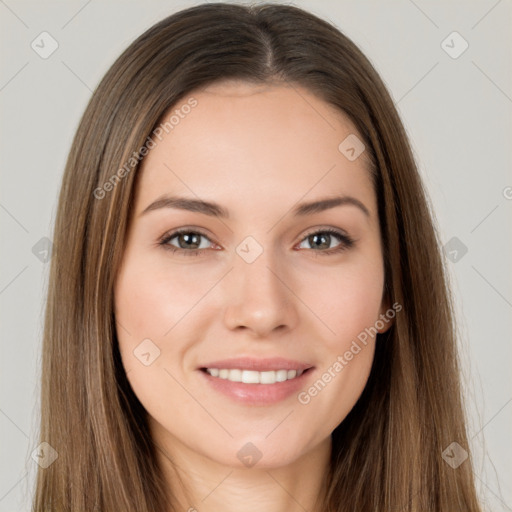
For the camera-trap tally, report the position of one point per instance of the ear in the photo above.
(387, 314)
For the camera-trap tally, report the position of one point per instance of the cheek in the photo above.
(150, 302)
(149, 307)
(346, 301)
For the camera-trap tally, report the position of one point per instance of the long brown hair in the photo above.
(387, 453)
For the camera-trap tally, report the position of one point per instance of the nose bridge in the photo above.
(257, 297)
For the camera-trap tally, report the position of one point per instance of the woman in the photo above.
(255, 375)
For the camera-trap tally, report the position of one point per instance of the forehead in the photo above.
(243, 142)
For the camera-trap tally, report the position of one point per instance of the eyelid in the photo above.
(325, 229)
(169, 235)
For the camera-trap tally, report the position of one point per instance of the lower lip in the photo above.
(257, 394)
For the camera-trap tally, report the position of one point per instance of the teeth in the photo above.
(254, 377)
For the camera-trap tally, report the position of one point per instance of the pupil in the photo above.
(194, 239)
(317, 237)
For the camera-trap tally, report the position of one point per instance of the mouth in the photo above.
(256, 388)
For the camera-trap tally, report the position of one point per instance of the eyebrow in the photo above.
(215, 210)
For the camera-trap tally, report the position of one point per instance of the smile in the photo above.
(252, 387)
(254, 377)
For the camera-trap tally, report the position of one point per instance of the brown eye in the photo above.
(320, 241)
(188, 242)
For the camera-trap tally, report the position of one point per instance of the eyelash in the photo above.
(346, 242)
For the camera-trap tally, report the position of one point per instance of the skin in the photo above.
(257, 151)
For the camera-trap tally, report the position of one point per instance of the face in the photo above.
(255, 286)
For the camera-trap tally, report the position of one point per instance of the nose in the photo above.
(259, 296)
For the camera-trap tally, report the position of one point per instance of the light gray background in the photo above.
(458, 116)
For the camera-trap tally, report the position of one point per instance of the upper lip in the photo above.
(250, 363)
